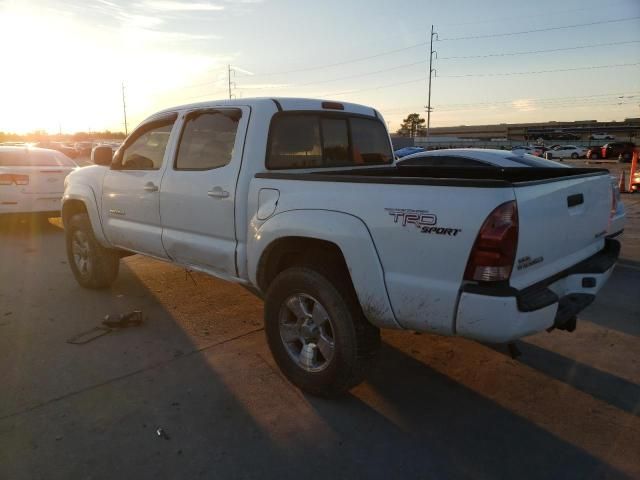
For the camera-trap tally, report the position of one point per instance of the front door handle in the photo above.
(218, 192)
(150, 187)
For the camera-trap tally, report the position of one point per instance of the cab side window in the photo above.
(146, 147)
(208, 139)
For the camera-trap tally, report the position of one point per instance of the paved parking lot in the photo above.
(200, 370)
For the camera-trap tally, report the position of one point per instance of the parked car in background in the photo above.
(522, 149)
(60, 147)
(566, 151)
(403, 152)
(565, 136)
(32, 179)
(594, 152)
(614, 150)
(624, 150)
(84, 148)
(601, 136)
(537, 150)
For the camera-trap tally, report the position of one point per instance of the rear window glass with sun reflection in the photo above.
(34, 158)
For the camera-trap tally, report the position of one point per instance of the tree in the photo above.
(411, 125)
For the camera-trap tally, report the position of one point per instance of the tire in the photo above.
(350, 341)
(93, 265)
(595, 156)
(575, 156)
(626, 157)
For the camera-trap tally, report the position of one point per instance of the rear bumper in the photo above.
(30, 203)
(502, 313)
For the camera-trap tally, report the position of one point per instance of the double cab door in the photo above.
(171, 190)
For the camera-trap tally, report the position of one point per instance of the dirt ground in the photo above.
(199, 370)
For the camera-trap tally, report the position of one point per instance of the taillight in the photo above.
(494, 250)
(21, 179)
(11, 178)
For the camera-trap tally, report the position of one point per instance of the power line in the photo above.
(337, 64)
(548, 29)
(523, 104)
(504, 74)
(529, 52)
(528, 16)
(544, 100)
(334, 94)
(207, 95)
(358, 75)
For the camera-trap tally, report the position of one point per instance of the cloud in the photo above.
(175, 6)
(524, 105)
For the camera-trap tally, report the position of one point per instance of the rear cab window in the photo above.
(326, 140)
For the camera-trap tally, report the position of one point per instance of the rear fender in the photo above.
(349, 233)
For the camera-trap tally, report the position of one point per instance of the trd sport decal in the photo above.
(425, 221)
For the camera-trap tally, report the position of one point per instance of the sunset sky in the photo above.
(63, 62)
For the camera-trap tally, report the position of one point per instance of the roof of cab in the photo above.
(279, 103)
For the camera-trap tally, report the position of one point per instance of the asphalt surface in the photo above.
(199, 370)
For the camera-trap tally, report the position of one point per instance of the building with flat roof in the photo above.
(581, 130)
(506, 135)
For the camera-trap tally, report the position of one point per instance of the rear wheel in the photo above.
(93, 265)
(595, 156)
(574, 156)
(317, 332)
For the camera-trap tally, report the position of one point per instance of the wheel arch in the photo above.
(82, 200)
(300, 235)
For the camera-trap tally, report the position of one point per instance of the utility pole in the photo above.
(124, 110)
(431, 70)
(229, 77)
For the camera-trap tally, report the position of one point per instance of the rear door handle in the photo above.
(218, 192)
(150, 187)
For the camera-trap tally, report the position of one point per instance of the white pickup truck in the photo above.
(302, 202)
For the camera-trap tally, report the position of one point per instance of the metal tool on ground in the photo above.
(131, 319)
(89, 335)
(109, 324)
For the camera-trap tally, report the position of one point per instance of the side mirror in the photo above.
(102, 155)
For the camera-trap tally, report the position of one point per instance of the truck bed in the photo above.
(493, 177)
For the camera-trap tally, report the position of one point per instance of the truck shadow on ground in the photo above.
(426, 425)
(609, 388)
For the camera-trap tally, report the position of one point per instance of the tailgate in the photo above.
(44, 180)
(561, 222)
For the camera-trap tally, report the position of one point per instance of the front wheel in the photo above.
(93, 265)
(317, 332)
